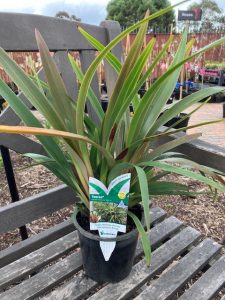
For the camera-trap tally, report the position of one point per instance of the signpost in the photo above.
(188, 15)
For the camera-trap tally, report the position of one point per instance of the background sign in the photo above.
(190, 15)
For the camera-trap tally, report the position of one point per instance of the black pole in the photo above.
(12, 184)
(221, 78)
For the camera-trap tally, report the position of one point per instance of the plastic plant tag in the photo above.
(108, 209)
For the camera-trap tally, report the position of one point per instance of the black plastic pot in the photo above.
(120, 263)
(182, 124)
(105, 103)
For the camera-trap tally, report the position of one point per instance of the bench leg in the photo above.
(12, 184)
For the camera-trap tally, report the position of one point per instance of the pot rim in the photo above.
(92, 236)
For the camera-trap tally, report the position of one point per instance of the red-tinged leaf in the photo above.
(112, 134)
(122, 154)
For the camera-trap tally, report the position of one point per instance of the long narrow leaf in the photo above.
(93, 67)
(171, 145)
(180, 106)
(58, 133)
(29, 119)
(206, 170)
(110, 57)
(91, 95)
(123, 98)
(30, 90)
(144, 238)
(143, 182)
(58, 171)
(155, 98)
(56, 85)
(181, 171)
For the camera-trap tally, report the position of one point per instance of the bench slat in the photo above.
(17, 33)
(49, 235)
(66, 72)
(86, 58)
(71, 291)
(113, 29)
(165, 229)
(35, 242)
(21, 144)
(76, 288)
(140, 273)
(157, 214)
(206, 287)
(22, 212)
(38, 284)
(45, 280)
(175, 278)
(200, 151)
(37, 259)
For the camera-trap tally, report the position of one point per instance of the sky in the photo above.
(90, 11)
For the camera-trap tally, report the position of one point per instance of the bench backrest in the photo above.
(17, 33)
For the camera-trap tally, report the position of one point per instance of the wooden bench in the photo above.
(48, 265)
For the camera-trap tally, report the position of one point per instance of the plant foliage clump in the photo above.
(117, 144)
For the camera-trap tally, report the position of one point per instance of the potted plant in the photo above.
(77, 149)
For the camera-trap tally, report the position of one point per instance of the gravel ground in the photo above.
(30, 180)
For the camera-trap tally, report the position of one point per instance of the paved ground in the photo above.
(214, 133)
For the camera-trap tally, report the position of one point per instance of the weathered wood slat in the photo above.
(113, 29)
(39, 283)
(86, 58)
(20, 144)
(140, 273)
(20, 213)
(164, 229)
(49, 235)
(45, 280)
(209, 284)
(62, 61)
(76, 288)
(37, 259)
(175, 278)
(157, 214)
(200, 151)
(9, 117)
(17, 32)
(71, 291)
(35, 242)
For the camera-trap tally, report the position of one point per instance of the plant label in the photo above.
(108, 209)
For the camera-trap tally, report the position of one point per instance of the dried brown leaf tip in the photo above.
(112, 134)
(122, 154)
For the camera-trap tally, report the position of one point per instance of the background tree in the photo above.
(65, 15)
(211, 16)
(221, 21)
(127, 12)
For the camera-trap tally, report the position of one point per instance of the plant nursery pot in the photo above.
(105, 102)
(121, 261)
(224, 110)
(182, 124)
